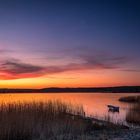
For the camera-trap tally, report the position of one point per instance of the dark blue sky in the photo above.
(55, 32)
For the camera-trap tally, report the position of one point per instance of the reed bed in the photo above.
(133, 115)
(130, 99)
(40, 121)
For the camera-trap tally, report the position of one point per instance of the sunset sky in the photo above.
(69, 43)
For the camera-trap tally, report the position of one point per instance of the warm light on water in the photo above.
(94, 104)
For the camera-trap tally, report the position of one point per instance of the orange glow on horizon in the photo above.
(68, 79)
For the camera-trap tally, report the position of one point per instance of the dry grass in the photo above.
(31, 121)
(133, 115)
(52, 120)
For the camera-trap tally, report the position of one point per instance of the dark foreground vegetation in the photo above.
(120, 89)
(53, 120)
(133, 115)
(40, 120)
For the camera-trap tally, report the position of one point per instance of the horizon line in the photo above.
(76, 87)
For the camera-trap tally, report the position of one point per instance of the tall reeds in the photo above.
(133, 115)
(27, 121)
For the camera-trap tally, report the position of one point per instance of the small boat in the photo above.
(113, 108)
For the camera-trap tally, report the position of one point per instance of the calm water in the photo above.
(95, 104)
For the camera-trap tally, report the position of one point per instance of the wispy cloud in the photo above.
(15, 69)
(104, 62)
(131, 70)
(4, 51)
(87, 60)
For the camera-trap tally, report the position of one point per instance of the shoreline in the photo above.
(118, 89)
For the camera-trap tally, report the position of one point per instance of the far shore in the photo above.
(118, 89)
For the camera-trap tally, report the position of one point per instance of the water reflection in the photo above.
(94, 104)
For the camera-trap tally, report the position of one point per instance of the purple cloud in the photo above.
(15, 69)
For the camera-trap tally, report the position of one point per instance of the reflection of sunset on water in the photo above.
(94, 104)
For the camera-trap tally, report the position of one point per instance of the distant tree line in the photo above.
(121, 89)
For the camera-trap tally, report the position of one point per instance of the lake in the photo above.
(95, 104)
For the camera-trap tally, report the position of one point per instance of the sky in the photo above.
(69, 43)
